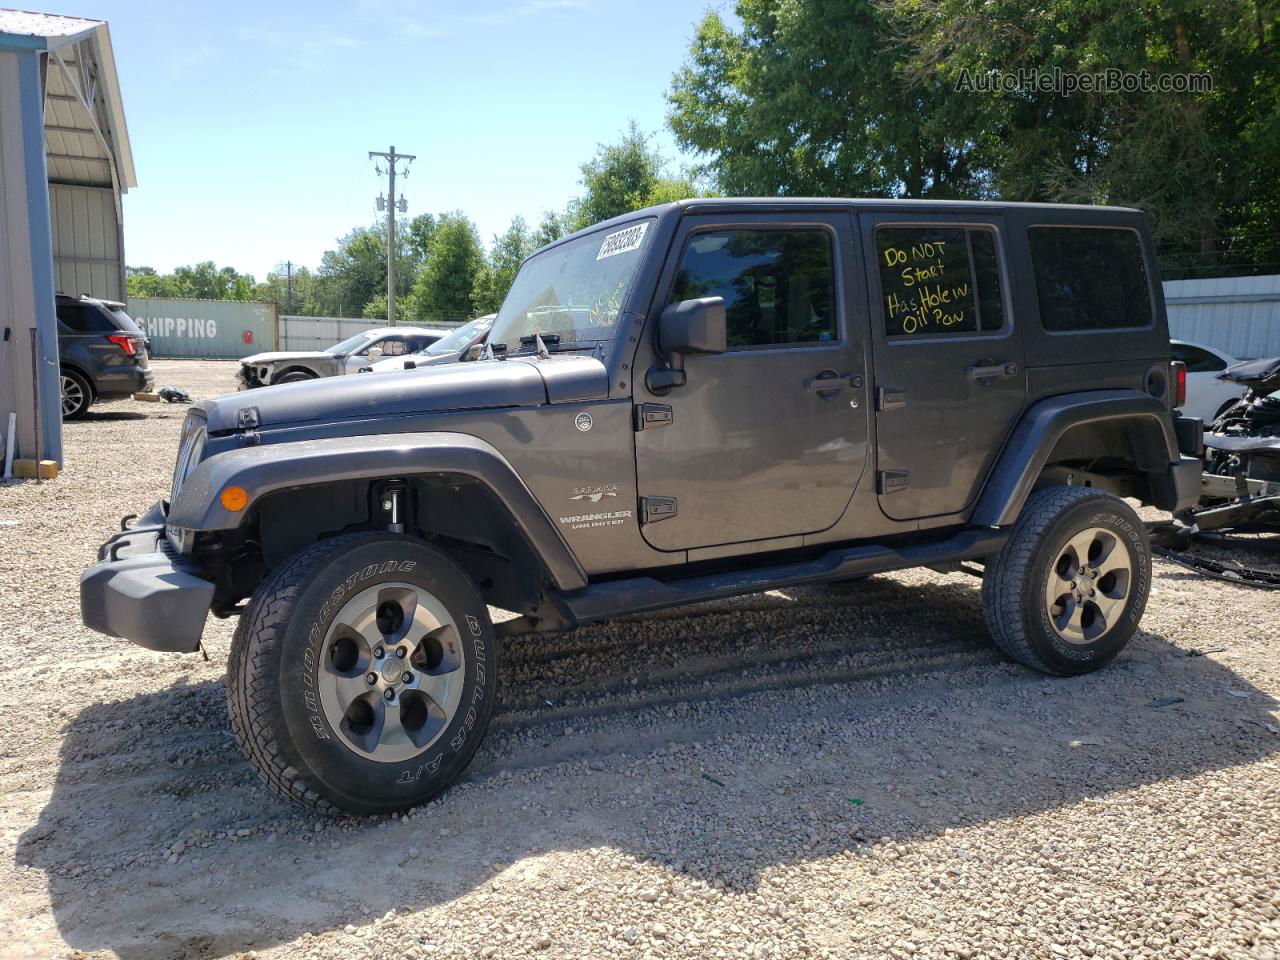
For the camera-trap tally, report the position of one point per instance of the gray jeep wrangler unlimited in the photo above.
(693, 401)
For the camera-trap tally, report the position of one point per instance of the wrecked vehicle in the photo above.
(1240, 487)
(694, 401)
(366, 347)
(459, 345)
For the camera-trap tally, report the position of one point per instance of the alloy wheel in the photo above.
(391, 672)
(1088, 585)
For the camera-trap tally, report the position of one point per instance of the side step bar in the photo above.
(604, 601)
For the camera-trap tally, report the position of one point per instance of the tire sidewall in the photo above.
(351, 780)
(1116, 517)
(85, 388)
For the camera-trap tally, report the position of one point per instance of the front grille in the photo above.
(190, 448)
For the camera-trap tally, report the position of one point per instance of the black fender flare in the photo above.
(1042, 426)
(265, 469)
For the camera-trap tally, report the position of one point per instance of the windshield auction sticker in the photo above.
(623, 241)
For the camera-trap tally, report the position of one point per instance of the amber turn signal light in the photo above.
(234, 499)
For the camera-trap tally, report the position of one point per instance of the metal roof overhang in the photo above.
(87, 141)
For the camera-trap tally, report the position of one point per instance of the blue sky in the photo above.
(251, 122)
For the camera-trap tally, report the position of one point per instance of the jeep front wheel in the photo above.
(1066, 593)
(363, 674)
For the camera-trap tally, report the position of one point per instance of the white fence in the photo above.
(1240, 315)
(317, 333)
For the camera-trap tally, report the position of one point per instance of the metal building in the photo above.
(1240, 315)
(64, 162)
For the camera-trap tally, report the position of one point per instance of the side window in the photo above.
(393, 347)
(1197, 360)
(778, 285)
(939, 280)
(82, 318)
(1089, 278)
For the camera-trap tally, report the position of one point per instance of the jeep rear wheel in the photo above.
(1066, 593)
(362, 675)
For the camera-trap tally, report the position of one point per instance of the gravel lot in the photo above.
(835, 772)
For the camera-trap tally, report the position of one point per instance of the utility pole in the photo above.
(287, 269)
(392, 208)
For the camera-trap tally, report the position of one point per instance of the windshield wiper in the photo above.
(530, 339)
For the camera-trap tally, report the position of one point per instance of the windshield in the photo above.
(458, 338)
(349, 345)
(573, 291)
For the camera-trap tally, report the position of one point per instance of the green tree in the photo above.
(809, 98)
(350, 276)
(625, 176)
(881, 98)
(202, 281)
(508, 252)
(1202, 163)
(291, 295)
(416, 236)
(443, 288)
(551, 229)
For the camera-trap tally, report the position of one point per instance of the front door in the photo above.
(949, 380)
(768, 439)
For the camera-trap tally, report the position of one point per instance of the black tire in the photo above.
(1016, 582)
(77, 394)
(274, 674)
(297, 376)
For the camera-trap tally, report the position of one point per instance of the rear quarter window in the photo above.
(85, 318)
(1090, 278)
(939, 280)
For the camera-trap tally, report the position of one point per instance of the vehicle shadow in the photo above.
(109, 416)
(641, 736)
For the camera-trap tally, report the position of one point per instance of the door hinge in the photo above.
(654, 509)
(891, 481)
(651, 415)
(890, 398)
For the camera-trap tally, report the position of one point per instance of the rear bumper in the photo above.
(117, 382)
(142, 591)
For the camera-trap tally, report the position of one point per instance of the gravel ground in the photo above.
(836, 772)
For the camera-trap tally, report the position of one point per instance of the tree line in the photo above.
(444, 272)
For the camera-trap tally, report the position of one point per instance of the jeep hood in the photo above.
(518, 382)
(278, 355)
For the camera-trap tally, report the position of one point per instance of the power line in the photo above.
(392, 158)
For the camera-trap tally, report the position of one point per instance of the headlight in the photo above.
(190, 449)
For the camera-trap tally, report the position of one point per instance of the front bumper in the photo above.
(141, 590)
(247, 378)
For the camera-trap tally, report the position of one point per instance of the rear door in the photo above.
(949, 380)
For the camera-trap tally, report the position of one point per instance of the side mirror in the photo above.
(690, 326)
(473, 352)
(375, 354)
(693, 326)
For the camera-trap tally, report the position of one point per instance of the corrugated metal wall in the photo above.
(86, 241)
(316, 333)
(206, 329)
(1240, 315)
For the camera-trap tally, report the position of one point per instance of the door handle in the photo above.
(984, 372)
(831, 385)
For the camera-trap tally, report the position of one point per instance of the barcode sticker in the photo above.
(623, 241)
